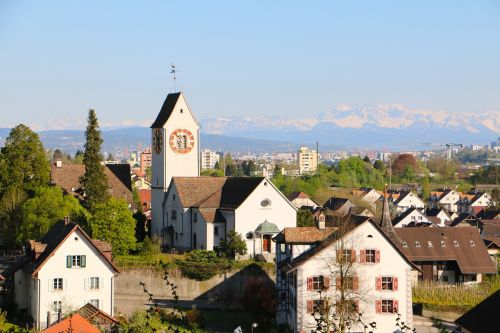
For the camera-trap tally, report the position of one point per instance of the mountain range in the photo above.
(393, 126)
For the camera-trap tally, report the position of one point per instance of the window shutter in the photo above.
(337, 283)
(84, 261)
(395, 283)
(362, 256)
(378, 306)
(309, 306)
(378, 283)
(377, 256)
(309, 283)
(353, 255)
(395, 305)
(51, 284)
(326, 282)
(339, 255)
(68, 261)
(355, 283)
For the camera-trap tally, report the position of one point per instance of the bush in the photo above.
(194, 318)
(202, 265)
(234, 245)
(150, 246)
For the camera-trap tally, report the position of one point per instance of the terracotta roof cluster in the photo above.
(118, 175)
(463, 245)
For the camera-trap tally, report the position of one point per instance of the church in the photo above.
(190, 211)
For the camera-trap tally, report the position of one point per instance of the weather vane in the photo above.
(173, 71)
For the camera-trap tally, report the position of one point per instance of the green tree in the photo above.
(400, 164)
(304, 218)
(23, 163)
(48, 205)
(10, 215)
(94, 181)
(233, 245)
(379, 165)
(78, 157)
(425, 188)
(367, 159)
(112, 221)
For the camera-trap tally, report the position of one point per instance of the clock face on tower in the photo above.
(157, 140)
(181, 141)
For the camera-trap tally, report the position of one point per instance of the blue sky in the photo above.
(236, 58)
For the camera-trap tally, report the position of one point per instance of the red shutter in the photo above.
(309, 306)
(362, 256)
(309, 283)
(394, 283)
(355, 283)
(378, 306)
(395, 305)
(353, 255)
(337, 283)
(326, 282)
(377, 256)
(339, 255)
(378, 283)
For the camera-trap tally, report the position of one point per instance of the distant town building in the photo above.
(308, 160)
(208, 159)
(384, 157)
(134, 158)
(145, 159)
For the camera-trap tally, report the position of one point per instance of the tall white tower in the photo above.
(175, 152)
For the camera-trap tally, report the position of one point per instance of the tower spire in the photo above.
(386, 223)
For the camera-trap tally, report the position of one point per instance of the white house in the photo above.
(447, 200)
(200, 212)
(368, 195)
(301, 199)
(438, 216)
(407, 200)
(412, 217)
(193, 212)
(62, 272)
(380, 285)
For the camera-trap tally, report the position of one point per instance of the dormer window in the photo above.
(472, 243)
(455, 243)
(405, 244)
(417, 243)
(429, 243)
(443, 244)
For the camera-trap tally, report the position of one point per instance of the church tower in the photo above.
(175, 149)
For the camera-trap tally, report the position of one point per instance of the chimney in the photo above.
(321, 221)
(67, 220)
(59, 164)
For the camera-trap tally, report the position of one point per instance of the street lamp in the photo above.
(254, 325)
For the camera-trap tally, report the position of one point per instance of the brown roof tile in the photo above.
(306, 235)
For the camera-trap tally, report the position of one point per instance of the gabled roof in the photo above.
(403, 195)
(212, 215)
(405, 214)
(296, 195)
(335, 203)
(93, 314)
(288, 265)
(436, 211)
(53, 240)
(488, 214)
(166, 110)
(483, 317)
(74, 323)
(215, 192)
(303, 235)
(491, 230)
(462, 217)
(469, 252)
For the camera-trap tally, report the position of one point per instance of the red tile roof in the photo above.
(75, 324)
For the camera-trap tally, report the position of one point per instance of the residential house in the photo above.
(407, 200)
(483, 318)
(67, 176)
(449, 255)
(379, 285)
(63, 271)
(447, 199)
(368, 195)
(338, 206)
(412, 217)
(200, 212)
(474, 202)
(438, 216)
(300, 199)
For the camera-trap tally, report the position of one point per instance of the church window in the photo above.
(216, 231)
(195, 217)
(174, 214)
(265, 203)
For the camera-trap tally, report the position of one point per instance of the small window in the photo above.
(265, 203)
(413, 218)
(317, 283)
(94, 283)
(388, 306)
(417, 243)
(420, 217)
(57, 306)
(174, 214)
(216, 231)
(57, 284)
(455, 243)
(472, 243)
(346, 255)
(195, 217)
(370, 256)
(429, 243)
(75, 261)
(173, 197)
(94, 302)
(387, 283)
(443, 244)
(405, 244)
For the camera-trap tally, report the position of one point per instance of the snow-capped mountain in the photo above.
(365, 125)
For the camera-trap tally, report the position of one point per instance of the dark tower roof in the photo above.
(166, 110)
(386, 223)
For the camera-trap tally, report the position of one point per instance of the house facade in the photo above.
(61, 273)
(379, 285)
(412, 217)
(408, 200)
(301, 199)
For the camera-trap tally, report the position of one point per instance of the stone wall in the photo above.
(218, 292)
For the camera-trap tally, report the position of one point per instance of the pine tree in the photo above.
(94, 181)
(425, 188)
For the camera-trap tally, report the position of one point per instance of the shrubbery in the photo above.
(202, 265)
